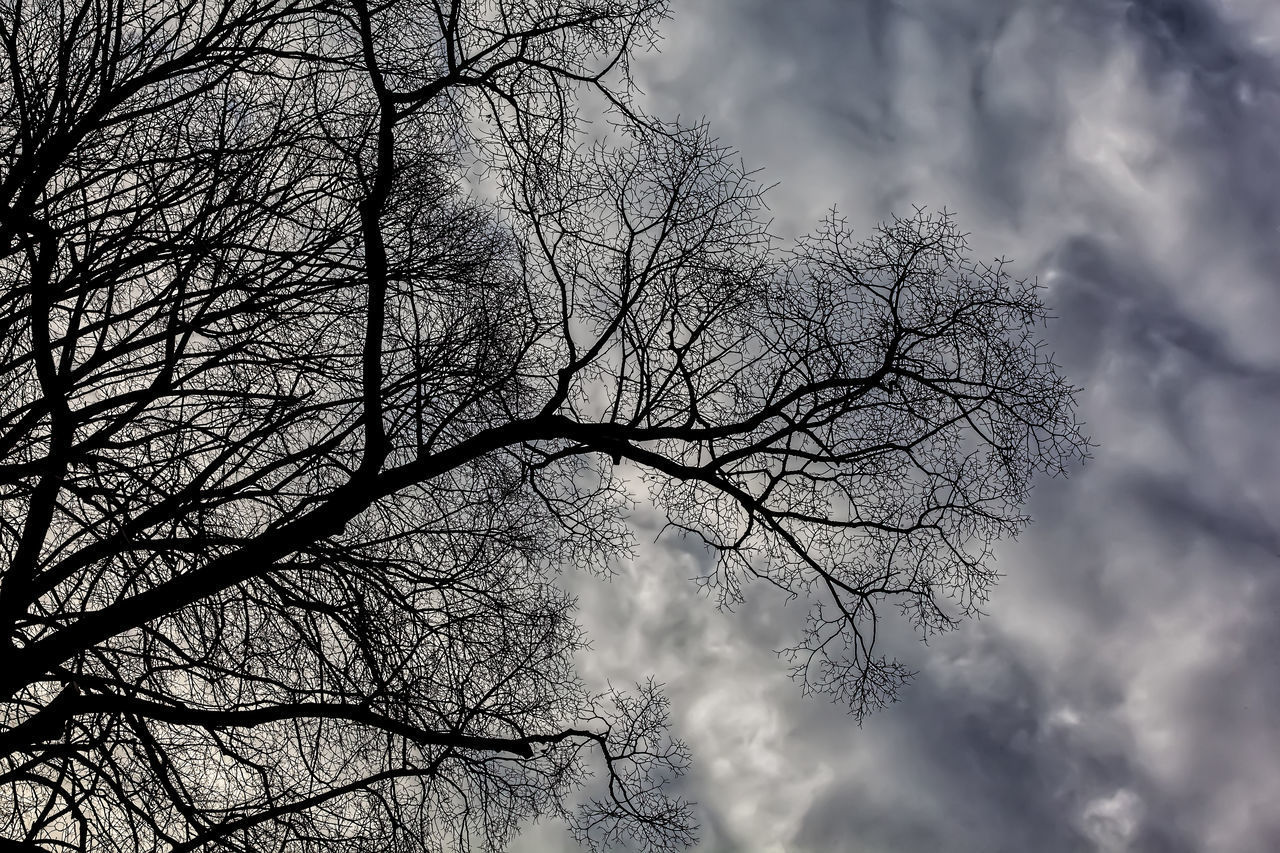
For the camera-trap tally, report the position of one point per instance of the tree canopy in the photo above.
(333, 330)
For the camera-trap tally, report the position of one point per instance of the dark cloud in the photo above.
(1120, 693)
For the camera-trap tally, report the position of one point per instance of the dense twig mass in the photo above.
(327, 337)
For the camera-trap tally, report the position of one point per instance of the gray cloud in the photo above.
(1120, 693)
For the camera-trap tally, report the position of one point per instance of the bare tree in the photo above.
(328, 336)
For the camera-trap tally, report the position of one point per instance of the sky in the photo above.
(1122, 692)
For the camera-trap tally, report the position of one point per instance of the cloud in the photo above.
(1120, 693)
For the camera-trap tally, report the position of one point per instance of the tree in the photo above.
(330, 335)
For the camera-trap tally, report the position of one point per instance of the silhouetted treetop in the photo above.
(331, 333)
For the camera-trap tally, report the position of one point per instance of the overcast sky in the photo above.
(1123, 692)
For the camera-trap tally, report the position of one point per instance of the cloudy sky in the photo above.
(1123, 692)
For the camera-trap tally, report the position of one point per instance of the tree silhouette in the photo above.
(329, 335)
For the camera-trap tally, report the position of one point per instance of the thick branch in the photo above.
(71, 703)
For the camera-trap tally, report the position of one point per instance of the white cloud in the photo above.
(1111, 822)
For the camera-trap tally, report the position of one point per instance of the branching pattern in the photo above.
(328, 337)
